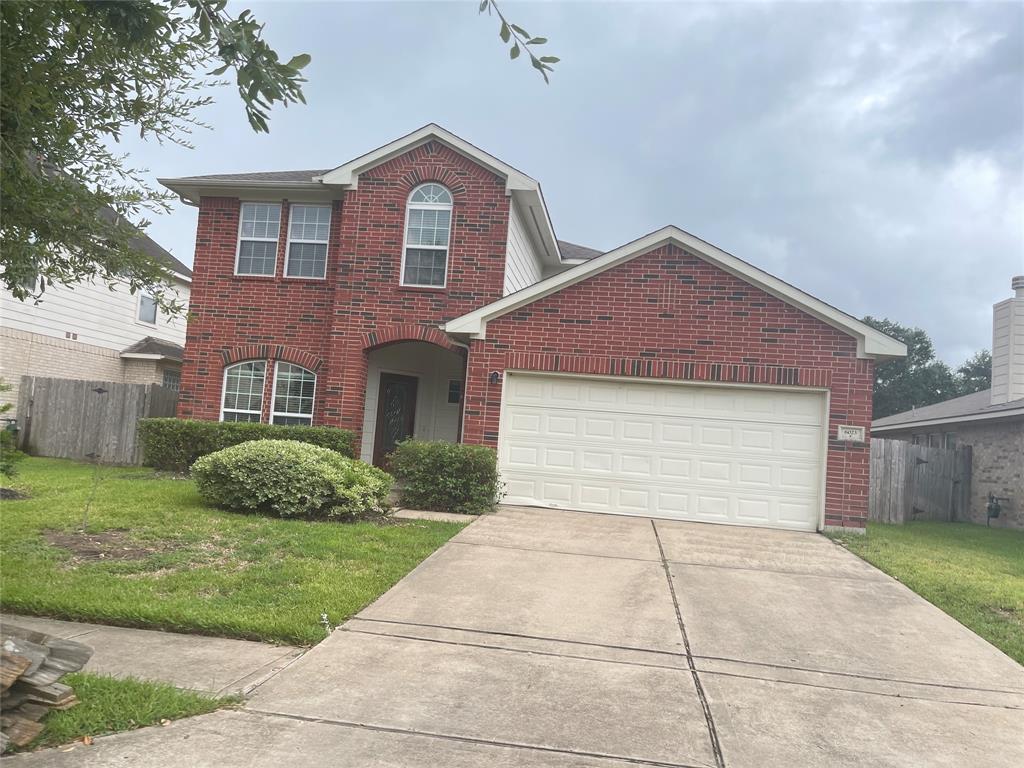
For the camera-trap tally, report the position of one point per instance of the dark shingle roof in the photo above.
(573, 251)
(150, 247)
(259, 176)
(152, 346)
(973, 405)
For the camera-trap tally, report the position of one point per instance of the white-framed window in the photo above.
(428, 225)
(309, 227)
(243, 391)
(258, 228)
(147, 309)
(294, 389)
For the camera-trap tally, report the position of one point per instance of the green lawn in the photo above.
(156, 557)
(109, 705)
(973, 573)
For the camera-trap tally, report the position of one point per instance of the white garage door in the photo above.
(716, 454)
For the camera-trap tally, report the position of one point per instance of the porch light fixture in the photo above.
(495, 377)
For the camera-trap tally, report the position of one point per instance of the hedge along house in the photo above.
(419, 290)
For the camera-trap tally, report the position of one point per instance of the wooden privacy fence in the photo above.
(915, 482)
(76, 419)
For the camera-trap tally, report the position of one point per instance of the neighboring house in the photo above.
(87, 331)
(991, 422)
(419, 290)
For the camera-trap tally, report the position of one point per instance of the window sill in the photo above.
(424, 288)
(254, 277)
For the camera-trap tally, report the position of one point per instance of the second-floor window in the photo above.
(308, 229)
(259, 226)
(147, 309)
(428, 224)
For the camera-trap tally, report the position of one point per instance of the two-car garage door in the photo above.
(719, 454)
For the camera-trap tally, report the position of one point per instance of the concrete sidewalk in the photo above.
(213, 665)
(537, 639)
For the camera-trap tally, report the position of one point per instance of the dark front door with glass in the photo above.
(396, 414)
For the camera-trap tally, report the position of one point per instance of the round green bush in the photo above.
(291, 479)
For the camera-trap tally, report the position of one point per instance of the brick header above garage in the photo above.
(672, 314)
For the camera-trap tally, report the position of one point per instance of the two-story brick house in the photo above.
(419, 290)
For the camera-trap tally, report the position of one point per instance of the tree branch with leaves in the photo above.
(520, 40)
(75, 76)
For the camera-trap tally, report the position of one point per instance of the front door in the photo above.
(396, 414)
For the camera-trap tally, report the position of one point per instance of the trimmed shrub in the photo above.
(291, 479)
(175, 444)
(446, 477)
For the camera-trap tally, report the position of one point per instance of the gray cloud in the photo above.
(872, 155)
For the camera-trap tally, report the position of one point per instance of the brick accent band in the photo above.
(391, 334)
(272, 351)
(670, 369)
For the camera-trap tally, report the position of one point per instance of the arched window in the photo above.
(294, 388)
(428, 224)
(243, 391)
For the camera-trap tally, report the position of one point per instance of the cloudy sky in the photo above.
(873, 155)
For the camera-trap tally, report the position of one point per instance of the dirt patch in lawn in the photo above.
(9, 494)
(105, 545)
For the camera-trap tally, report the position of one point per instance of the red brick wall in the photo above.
(335, 319)
(669, 314)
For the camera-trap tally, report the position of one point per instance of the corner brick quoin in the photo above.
(409, 332)
(273, 352)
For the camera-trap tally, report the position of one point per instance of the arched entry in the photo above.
(413, 389)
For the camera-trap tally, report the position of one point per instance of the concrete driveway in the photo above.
(539, 638)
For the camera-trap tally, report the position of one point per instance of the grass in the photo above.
(190, 568)
(974, 574)
(109, 705)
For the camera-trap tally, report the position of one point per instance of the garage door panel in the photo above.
(683, 451)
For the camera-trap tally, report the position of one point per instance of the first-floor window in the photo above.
(294, 387)
(172, 379)
(243, 391)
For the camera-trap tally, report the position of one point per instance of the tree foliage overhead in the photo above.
(921, 378)
(76, 75)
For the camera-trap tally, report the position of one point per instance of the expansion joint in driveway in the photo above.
(716, 746)
(471, 740)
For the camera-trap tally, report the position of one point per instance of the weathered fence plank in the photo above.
(915, 482)
(77, 419)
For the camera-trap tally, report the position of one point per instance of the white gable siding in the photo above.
(98, 316)
(522, 262)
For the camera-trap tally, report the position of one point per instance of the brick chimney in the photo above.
(1008, 346)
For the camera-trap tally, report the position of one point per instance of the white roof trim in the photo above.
(146, 356)
(870, 342)
(348, 174)
(912, 425)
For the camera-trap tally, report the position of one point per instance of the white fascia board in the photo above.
(347, 175)
(870, 343)
(912, 425)
(145, 356)
(191, 190)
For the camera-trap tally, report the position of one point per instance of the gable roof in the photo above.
(325, 183)
(150, 347)
(976, 406)
(152, 248)
(573, 252)
(870, 342)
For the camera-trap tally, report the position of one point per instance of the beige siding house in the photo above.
(90, 332)
(991, 421)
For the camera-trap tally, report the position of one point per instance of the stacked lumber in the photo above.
(31, 666)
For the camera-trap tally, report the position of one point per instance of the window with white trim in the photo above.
(428, 224)
(308, 229)
(147, 309)
(243, 391)
(258, 229)
(294, 388)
